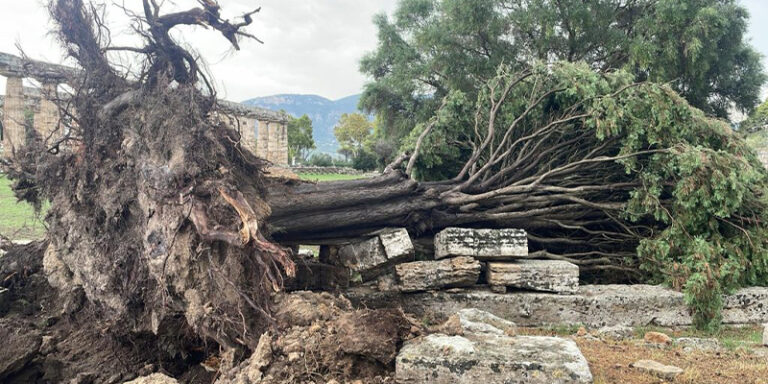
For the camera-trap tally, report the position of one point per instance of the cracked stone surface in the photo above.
(594, 306)
(538, 275)
(482, 244)
(489, 359)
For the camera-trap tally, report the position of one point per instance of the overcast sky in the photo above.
(311, 46)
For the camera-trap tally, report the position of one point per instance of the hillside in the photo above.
(324, 113)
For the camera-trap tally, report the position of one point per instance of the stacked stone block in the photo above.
(459, 253)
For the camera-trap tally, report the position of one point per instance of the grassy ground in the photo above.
(328, 177)
(17, 220)
(741, 360)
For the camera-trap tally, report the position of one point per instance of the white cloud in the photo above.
(310, 46)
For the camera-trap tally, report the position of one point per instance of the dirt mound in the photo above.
(320, 338)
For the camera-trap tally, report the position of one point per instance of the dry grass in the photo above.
(609, 361)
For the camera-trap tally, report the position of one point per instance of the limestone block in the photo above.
(425, 275)
(538, 275)
(370, 258)
(397, 243)
(594, 305)
(442, 359)
(482, 244)
(655, 368)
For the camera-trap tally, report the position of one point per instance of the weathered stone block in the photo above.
(425, 275)
(483, 244)
(538, 275)
(370, 258)
(442, 359)
(655, 368)
(397, 244)
(594, 305)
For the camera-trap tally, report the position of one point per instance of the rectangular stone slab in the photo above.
(538, 275)
(426, 275)
(372, 257)
(442, 359)
(482, 244)
(594, 306)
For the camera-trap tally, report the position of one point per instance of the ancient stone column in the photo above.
(262, 139)
(47, 117)
(282, 146)
(14, 132)
(247, 132)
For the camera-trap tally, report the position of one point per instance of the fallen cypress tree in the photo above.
(158, 211)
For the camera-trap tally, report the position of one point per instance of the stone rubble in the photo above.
(666, 372)
(539, 275)
(482, 244)
(425, 275)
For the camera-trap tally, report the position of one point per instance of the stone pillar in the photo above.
(14, 132)
(262, 140)
(282, 150)
(47, 118)
(247, 132)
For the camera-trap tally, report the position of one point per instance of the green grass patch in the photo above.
(17, 219)
(320, 177)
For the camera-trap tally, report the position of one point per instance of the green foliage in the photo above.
(321, 160)
(300, 140)
(364, 161)
(352, 131)
(698, 203)
(431, 48)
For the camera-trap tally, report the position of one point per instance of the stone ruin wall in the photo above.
(270, 143)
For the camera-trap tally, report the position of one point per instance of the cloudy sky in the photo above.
(311, 46)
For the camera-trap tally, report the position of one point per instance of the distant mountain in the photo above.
(324, 113)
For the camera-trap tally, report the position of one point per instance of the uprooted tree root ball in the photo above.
(319, 337)
(155, 208)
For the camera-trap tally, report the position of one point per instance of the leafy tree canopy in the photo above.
(352, 132)
(431, 47)
(300, 140)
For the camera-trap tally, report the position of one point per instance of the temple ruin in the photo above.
(264, 132)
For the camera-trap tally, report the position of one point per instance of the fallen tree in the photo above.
(624, 179)
(158, 212)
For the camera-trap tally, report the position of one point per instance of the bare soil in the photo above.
(610, 360)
